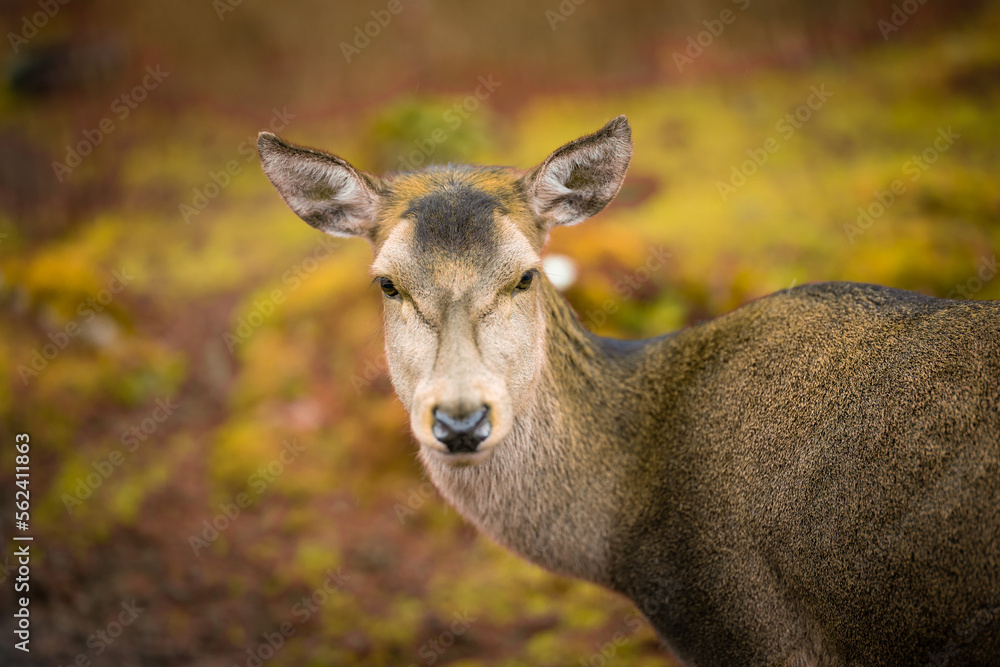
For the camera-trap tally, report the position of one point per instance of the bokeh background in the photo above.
(220, 472)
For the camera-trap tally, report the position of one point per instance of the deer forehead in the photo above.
(452, 205)
(457, 231)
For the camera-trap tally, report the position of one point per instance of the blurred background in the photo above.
(220, 471)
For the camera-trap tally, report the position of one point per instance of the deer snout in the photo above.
(461, 423)
(461, 433)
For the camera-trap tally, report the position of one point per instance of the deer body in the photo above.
(813, 479)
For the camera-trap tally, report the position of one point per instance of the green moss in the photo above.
(313, 561)
(418, 131)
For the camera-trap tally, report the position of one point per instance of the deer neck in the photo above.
(553, 488)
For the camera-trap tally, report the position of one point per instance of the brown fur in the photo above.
(813, 479)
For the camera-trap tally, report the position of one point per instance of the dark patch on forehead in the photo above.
(456, 219)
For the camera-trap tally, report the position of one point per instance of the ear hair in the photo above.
(582, 177)
(322, 189)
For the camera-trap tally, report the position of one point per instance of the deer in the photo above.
(812, 479)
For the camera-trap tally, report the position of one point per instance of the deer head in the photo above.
(457, 257)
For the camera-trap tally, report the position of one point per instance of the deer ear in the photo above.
(320, 188)
(582, 177)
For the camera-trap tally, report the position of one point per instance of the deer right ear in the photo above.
(582, 177)
(320, 188)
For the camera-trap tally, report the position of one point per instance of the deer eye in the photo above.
(388, 288)
(525, 281)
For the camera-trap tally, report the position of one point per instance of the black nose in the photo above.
(462, 433)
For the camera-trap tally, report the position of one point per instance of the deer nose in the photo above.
(462, 433)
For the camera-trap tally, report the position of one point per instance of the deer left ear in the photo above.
(582, 177)
(322, 189)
